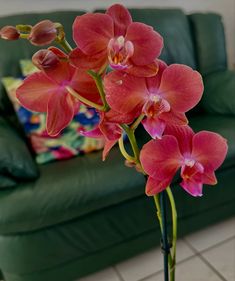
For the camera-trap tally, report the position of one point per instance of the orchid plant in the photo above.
(115, 69)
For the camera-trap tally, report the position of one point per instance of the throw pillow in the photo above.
(69, 142)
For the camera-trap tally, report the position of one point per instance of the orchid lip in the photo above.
(119, 52)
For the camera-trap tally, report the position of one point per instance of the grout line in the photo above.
(203, 259)
(209, 248)
(118, 273)
(159, 271)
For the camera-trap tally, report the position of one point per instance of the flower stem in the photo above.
(131, 136)
(123, 150)
(84, 100)
(159, 214)
(172, 262)
(99, 85)
(137, 122)
(65, 45)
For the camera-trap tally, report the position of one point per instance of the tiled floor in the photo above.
(207, 255)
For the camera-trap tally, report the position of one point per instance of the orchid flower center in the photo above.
(119, 52)
(190, 168)
(155, 105)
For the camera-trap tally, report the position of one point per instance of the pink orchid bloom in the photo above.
(163, 98)
(45, 91)
(113, 39)
(109, 129)
(198, 155)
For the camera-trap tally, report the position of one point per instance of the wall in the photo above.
(225, 7)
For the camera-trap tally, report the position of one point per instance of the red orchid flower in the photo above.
(163, 98)
(113, 39)
(45, 91)
(109, 129)
(198, 155)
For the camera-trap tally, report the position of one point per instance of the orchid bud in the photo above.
(9, 33)
(43, 33)
(44, 59)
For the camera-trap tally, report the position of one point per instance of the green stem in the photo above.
(158, 207)
(99, 85)
(64, 44)
(131, 136)
(84, 100)
(137, 122)
(174, 234)
(123, 150)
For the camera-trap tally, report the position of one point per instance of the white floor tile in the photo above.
(191, 270)
(108, 274)
(148, 263)
(222, 257)
(212, 235)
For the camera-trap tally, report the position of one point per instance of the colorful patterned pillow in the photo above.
(69, 143)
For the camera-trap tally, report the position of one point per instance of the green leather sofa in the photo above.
(63, 220)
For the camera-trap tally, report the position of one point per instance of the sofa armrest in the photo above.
(16, 161)
(219, 94)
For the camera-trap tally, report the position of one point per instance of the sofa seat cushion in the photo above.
(67, 190)
(224, 125)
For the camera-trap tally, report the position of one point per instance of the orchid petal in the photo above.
(148, 70)
(209, 178)
(95, 133)
(125, 93)
(181, 86)
(121, 18)
(92, 32)
(60, 112)
(154, 126)
(107, 147)
(192, 186)
(60, 54)
(85, 85)
(174, 118)
(209, 149)
(153, 83)
(36, 91)
(155, 186)
(139, 34)
(61, 73)
(161, 158)
(88, 62)
(184, 136)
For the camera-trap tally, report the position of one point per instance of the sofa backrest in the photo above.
(209, 41)
(196, 40)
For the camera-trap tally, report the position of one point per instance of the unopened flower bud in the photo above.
(44, 59)
(9, 33)
(43, 33)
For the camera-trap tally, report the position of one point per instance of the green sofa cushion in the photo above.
(219, 94)
(16, 162)
(74, 188)
(209, 39)
(69, 189)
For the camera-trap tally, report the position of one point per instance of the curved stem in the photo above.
(137, 122)
(99, 85)
(123, 150)
(174, 233)
(65, 45)
(84, 100)
(131, 135)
